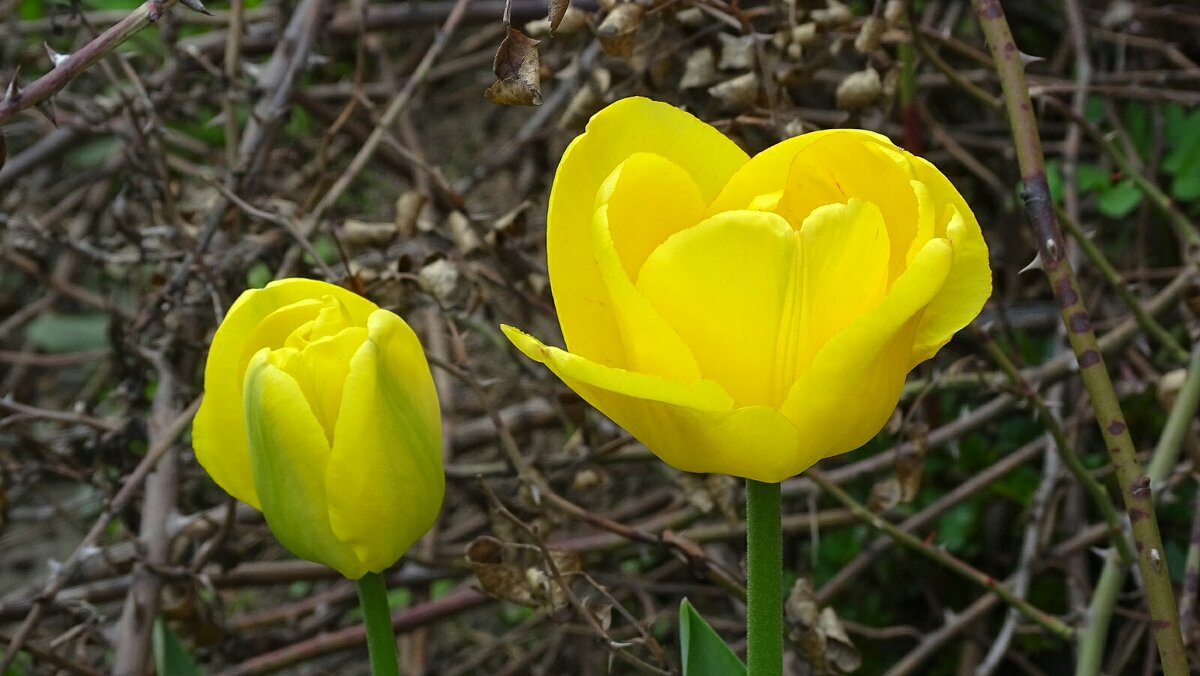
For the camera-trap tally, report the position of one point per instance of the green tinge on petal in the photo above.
(385, 479)
(288, 456)
(857, 377)
(692, 427)
(629, 126)
(219, 430)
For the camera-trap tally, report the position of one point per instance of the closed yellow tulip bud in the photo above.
(319, 409)
(750, 316)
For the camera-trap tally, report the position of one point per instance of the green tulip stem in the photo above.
(381, 642)
(764, 580)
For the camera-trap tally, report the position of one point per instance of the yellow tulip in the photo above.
(750, 316)
(319, 409)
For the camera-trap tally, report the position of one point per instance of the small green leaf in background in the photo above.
(1089, 177)
(703, 651)
(169, 655)
(62, 333)
(1120, 200)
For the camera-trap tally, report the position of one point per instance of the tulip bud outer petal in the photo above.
(288, 457)
(385, 479)
(219, 429)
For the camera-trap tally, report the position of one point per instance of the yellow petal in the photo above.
(288, 454)
(629, 126)
(385, 477)
(852, 387)
(755, 300)
(692, 427)
(726, 286)
(648, 198)
(645, 200)
(844, 274)
(320, 369)
(767, 172)
(970, 281)
(219, 430)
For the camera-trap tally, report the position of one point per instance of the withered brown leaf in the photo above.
(558, 9)
(518, 72)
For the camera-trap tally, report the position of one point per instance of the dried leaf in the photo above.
(518, 72)
(910, 467)
(408, 211)
(834, 14)
(439, 278)
(462, 233)
(859, 90)
(884, 495)
(870, 34)
(737, 51)
(618, 30)
(738, 93)
(587, 101)
(818, 633)
(700, 69)
(363, 233)
(517, 573)
(558, 9)
(573, 21)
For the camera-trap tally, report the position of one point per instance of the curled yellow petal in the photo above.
(633, 125)
(691, 427)
(857, 376)
(288, 453)
(384, 478)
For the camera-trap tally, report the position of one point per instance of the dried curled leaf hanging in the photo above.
(818, 633)
(618, 30)
(518, 72)
(518, 573)
(558, 9)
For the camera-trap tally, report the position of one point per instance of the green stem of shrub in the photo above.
(381, 642)
(764, 579)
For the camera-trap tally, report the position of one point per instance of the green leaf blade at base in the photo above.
(703, 651)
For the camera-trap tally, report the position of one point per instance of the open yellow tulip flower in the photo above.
(750, 316)
(319, 409)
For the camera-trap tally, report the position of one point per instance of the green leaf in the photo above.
(1119, 200)
(170, 657)
(703, 651)
(1186, 187)
(1089, 177)
(1054, 179)
(62, 333)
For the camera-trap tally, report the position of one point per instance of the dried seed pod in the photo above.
(618, 30)
(859, 90)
